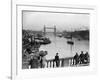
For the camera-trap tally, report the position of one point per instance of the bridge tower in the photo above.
(44, 30)
(54, 30)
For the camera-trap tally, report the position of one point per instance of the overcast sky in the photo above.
(37, 20)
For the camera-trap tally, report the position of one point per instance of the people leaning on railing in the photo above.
(39, 61)
(76, 59)
(81, 59)
(57, 60)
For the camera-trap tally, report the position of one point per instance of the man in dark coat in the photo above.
(76, 59)
(57, 60)
(81, 58)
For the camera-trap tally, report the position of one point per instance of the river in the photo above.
(59, 45)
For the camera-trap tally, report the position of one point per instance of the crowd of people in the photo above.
(83, 58)
(40, 61)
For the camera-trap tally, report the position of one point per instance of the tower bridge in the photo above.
(53, 28)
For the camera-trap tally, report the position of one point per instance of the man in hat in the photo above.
(34, 61)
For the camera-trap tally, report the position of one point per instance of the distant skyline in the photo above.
(37, 20)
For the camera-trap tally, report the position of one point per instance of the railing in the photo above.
(62, 62)
(52, 64)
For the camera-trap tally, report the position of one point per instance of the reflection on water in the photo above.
(59, 44)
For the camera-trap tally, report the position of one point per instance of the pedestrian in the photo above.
(41, 62)
(43, 59)
(86, 57)
(81, 58)
(57, 60)
(76, 59)
(34, 62)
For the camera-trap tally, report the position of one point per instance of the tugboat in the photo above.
(70, 42)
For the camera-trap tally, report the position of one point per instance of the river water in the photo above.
(59, 45)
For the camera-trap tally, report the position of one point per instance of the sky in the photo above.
(37, 20)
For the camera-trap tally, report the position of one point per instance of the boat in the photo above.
(59, 35)
(43, 41)
(70, 42)
(46, 41)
